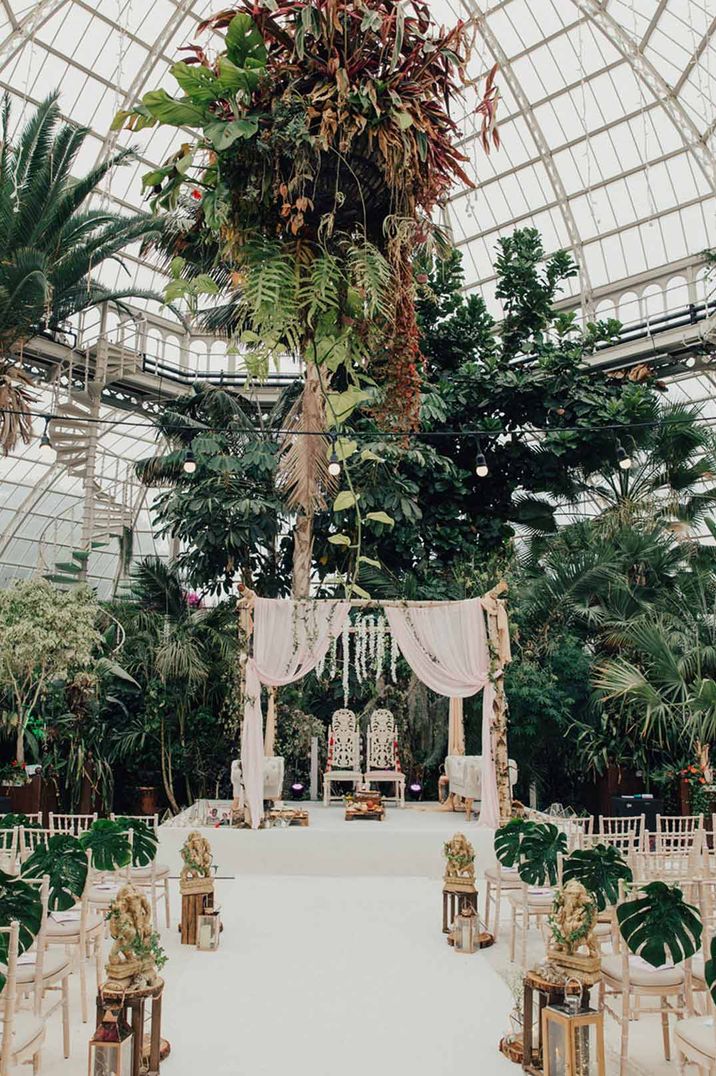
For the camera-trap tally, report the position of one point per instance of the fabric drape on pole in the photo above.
(446, 647)
(456, 728)
(270, 733)
(290, 638)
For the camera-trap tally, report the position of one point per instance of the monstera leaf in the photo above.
(144, 841)
(599, 869)
(65, 861)
(539, 850)
(9, 821)
(508, 840)
(660, 924)
(20, 901)
(108, 843)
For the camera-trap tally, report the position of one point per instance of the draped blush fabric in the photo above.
(456, 728)
(446, 647)
(290, 638)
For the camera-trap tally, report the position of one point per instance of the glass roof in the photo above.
(608, 129)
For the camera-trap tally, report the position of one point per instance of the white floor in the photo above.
(337, 975)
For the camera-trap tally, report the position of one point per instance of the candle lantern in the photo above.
(208, 930)
(466, 930)
(111, 1047)
(573, 1037)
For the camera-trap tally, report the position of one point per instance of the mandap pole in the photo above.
(498, 638)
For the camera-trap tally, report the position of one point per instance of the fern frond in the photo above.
(371, 274)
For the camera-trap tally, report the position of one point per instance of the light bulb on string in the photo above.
(481, 468)
(45, 441)
(189, 464)
(334, 464)
(623, 457)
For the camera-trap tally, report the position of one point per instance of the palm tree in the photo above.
(180, 650)
(51, 245)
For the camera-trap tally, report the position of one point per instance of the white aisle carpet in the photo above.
(323, 976)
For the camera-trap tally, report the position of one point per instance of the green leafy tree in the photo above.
(46, 635)
(53, 242)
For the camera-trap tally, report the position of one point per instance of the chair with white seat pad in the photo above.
(40, 972)
(23, 1033)
(382, 765)
(343, 760)
(498, 879)
(631, 979)
(154, 874)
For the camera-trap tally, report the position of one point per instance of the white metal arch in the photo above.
(540, 141)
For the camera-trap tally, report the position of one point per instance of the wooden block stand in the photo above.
(454, 896)
(196, 896)
(293, 817)
(134, 1003)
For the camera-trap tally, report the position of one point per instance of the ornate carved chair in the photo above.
(343, 753)
(382, 762)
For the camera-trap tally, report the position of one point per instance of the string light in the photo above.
(189, 464)
(334, 464)
(481, 468)
(623, 457)
(45, 441)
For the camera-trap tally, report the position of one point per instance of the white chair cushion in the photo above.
(71, 928)
(98, 894)
(509, 876)
(698, 1032)
(602, 930)
(141, 874)
(344, 775)
(55, 964)
(641, 973)
(537, 897)
(27, 1029)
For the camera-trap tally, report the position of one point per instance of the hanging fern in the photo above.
(371, 274)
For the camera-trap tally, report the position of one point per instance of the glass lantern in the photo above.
(208, 930)
(573, 1039)
(111, 1047)
(465, 931)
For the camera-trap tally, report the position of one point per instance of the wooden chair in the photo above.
(81, 932)
(31, 816)
(23, 1033)
(9, 848)
(104, 885)
(75, 824)
(343, 753)
(627, 833)
(45, 972)
(29, 839)
(631, 979)
(530, 903)
(679, 833)
(497, 880)
(154, 875)
(382, 763)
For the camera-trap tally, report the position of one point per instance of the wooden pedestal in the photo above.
(195, 900)
(133, 1003)
(453, 900)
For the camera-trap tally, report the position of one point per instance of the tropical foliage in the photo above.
(658, 925)
(53, 242)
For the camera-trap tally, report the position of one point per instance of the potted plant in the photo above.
(659, 924)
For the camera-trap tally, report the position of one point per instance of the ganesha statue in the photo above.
(131, 964)
(459, 863)
(572, 926)
(197, 859)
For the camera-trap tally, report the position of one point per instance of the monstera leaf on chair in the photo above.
(109, 844)
(599, 869)
(20, 901)
(659, 924)
(710, 970)
(508, 840)
(144, 841)
(9, 821)
(65, 862)
(539, 852)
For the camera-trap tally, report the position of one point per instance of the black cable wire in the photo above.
(372, 435)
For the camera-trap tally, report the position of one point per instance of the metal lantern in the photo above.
(208, 930)
(111, 1047)
(573, 1037)
(466, 930)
